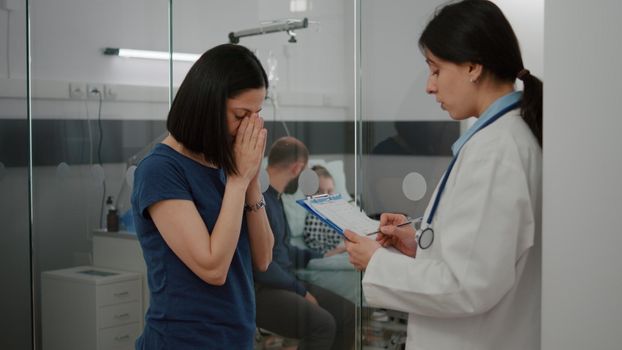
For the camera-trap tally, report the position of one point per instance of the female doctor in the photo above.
(475, 281)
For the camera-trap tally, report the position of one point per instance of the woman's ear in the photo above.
(475, 71)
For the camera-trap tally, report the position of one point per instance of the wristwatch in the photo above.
(256, 206)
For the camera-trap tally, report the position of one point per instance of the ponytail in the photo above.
(531, 105)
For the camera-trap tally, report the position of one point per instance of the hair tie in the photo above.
(522, 74)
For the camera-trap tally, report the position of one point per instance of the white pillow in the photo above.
(295, 213)
(335, 168)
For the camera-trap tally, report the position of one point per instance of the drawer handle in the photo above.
(121, 294)
(122, 315)
(122, 337)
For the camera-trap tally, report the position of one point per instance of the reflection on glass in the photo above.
(406, 138)
(62, 170)
(90, 114)
(301, 276)
(97, 136)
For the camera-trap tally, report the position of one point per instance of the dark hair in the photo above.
(287, 150)
(477, 31)
(198, 116)
(321, 171)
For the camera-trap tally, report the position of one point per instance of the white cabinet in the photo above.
(89, 307)
(121, 250)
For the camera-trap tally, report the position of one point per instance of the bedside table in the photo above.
(88, 307)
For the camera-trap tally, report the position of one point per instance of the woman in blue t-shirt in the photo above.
(198, 208)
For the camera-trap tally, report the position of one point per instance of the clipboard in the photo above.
(336, 212)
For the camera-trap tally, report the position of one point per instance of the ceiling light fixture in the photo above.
(148, 54)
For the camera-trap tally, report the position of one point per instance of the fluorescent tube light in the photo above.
(155, 55)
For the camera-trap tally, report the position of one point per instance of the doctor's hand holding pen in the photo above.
(395, 231)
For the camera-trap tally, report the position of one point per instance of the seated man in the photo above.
(319, 318)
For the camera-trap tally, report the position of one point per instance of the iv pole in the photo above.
(287, 26)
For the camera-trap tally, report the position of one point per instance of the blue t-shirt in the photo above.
(184, 311)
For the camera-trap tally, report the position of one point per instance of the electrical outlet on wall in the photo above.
(93, 91)
(110, 92)
(77, 90)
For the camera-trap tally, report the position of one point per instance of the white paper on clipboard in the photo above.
(337, 213)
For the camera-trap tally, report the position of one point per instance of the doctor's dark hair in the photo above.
(198, 115)
(477, 31)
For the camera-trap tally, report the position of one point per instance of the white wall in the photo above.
(394, 71)
(582, 236)
(527, 19)
(12, 42)
(315, 73)
(69, 35)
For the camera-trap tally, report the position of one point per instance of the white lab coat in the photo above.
(478, 286)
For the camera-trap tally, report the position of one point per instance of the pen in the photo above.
(408, 222)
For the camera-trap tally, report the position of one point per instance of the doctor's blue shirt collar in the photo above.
(494, 108)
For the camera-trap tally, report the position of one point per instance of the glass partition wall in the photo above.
(15, 264)
(93, 114)
(404, 138)
(348, 81)
(310, 98)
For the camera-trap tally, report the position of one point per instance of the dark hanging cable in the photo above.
(99, 154)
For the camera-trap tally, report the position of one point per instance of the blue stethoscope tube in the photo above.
(425, 238)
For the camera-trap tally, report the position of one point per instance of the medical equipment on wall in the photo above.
(288, 26)
(272, 95)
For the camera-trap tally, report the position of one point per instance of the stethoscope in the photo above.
(425, 238)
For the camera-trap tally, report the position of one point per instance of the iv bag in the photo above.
(273, 77)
